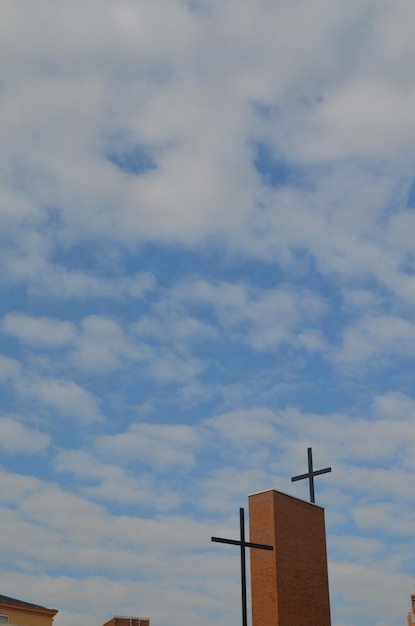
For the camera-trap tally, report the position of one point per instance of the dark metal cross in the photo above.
(311, 473)
(243, 544)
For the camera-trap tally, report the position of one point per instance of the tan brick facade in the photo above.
(20, 613)
(289, 585)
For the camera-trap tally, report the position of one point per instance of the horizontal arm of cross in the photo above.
(248, 544)
(300, 477)
(322, 471)
(316, 473)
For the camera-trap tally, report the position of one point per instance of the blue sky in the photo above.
(207, 265)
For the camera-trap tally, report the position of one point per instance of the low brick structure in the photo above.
(411, 615)
(289, 586)
(120, 620)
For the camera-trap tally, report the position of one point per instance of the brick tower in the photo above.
(289, 585)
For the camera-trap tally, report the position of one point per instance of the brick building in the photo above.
(411, 615)
(289, 585)
(120, 620)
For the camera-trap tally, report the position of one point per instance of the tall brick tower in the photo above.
(289, 585)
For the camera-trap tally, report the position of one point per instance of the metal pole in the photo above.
(243, 567)
(310, 471)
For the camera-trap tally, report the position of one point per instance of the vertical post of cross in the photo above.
(243, 545)
(243, 566)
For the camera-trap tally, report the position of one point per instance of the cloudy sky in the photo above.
(207, 238)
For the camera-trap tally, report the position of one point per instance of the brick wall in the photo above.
(128, 621)
(289, 586)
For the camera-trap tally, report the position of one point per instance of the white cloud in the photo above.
(176, 328)
(167, 367)
(101, 344)
(245, 429)
(17, 438)
(48, 279)
(9, 368)
(179, 97)
(385, 516)
(75, 597)
(263, 318)
(64, 396)
(394, 405)
(226, 487)
(159, 445)
(363, 118)
(376, 336)
(110, 482)
(44, 332)
(375, 591)
(160, 347)
(60, 283)
(54, 524)
(194, 112)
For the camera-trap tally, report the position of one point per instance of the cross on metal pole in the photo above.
(243, 544)
(311, 473)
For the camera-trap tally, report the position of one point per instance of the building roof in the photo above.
(289, 495)
(25, 605)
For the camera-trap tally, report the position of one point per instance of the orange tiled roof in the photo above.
(23, 604)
